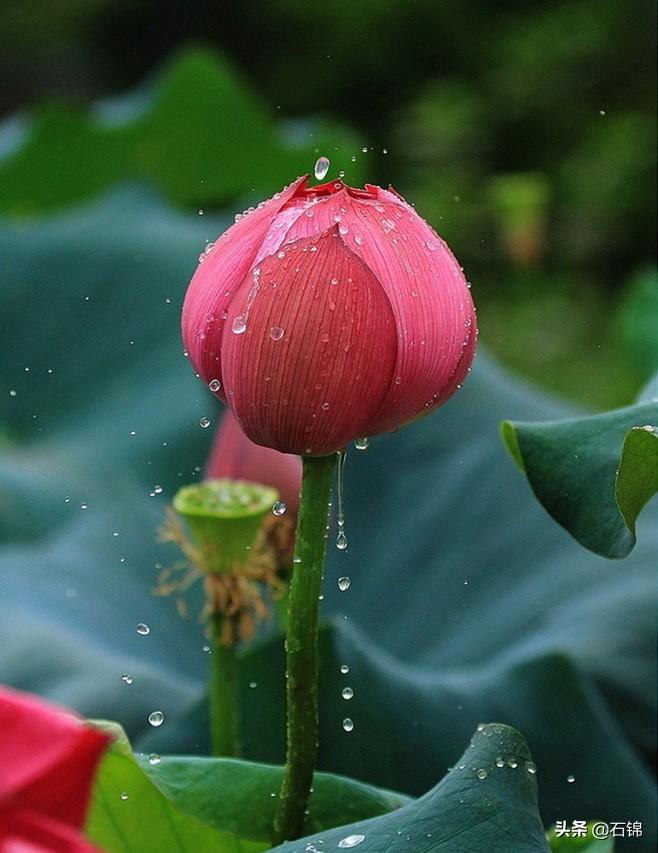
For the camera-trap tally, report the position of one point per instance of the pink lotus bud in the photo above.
(327, 314)
(235, 457)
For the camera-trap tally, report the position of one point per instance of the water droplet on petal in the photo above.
(351, 841)
(279, 508)
(239, 325)
(321, 168)
(348, 725)
(276, 333)
(214, 385)
(156, 718)
(344, 584)
(143, 629)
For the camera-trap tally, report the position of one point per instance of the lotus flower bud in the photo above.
(327, 314)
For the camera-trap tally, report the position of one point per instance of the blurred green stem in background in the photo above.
(224, 724)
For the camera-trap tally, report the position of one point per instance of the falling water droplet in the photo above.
(214, 385)
(204, 423)
(347, 693)
(351, 841)
(143, 629)
(348, 725)
(279, 508)
(276, 333)
(344, 669)
(154, 758)
(156, 718)
(341, 537)
(321, 168)
(127, 679)
(344, 584)
(571, 778)
(362, 443)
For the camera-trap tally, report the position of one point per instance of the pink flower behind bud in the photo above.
(327, 314)
(235, 457)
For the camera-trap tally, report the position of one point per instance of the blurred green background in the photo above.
(524, 132)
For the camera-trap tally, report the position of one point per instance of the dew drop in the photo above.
(531, 767)
(344, 584)
(500, 762)
(143, 629)
(214, 385)
(513, 763)
(156, 718)
(239, 325)
(362, 443)
(348, 725)
(351, 841)
(321, 168)
(481, 773)
(276, 333)
(204, 423)
(154, 758)
(279, 508)
(124, 796)
(347, 693)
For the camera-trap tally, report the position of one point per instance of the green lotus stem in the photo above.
(224, 723)
(302, 648)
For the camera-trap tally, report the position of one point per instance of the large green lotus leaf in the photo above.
(488, 802)
(128, 814)
(241, 796)
(467, 601)
(197, 133)
(593, 475)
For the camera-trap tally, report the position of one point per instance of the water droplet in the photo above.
(239, 325)
(571, 778)
(157, 490)
(127, 679)
(325, 407)
(601, 112)
(124, 795)
(344, 669)
(204, 423)
(513, 763)
(481, 773)
(279, 508)
(480, 727)
(276, 333)
(156, 718)
(348, 725)
(431, 245)
(341, 537)
(214, 385)
(362, 443)
(500, 762)
(344, 584)
(253, 685)
(154, 758)
(347, 693)
(84, 506)
(13, 393)
(351, 841)
(143, 629)
(531, 767)
(321, 168)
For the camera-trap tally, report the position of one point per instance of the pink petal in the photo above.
(29, 832)
(48, 757)
(428, 293)
(216, 279)
(234, 456)
(316, 358)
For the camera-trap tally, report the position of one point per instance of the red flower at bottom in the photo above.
(47, 765)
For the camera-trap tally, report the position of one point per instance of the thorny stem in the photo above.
(223, 690)
(302, 648)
